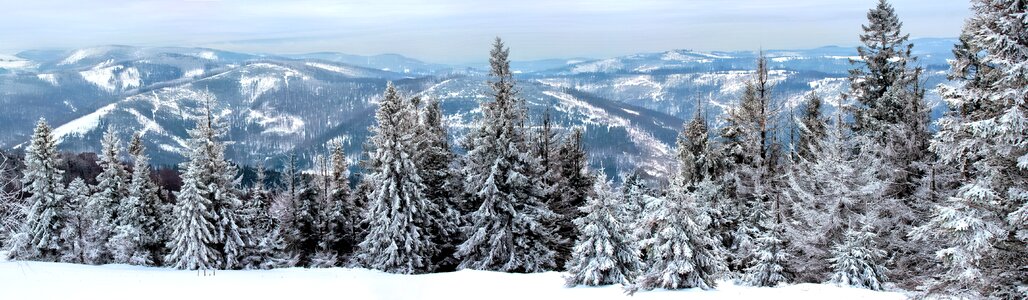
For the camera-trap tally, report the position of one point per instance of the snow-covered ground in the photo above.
(37, 280)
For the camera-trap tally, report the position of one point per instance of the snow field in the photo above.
(40, 280)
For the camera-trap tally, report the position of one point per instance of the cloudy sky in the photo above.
(457, 31)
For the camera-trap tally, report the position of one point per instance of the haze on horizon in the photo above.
(459, 31)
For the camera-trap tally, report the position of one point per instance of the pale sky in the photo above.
(458, 31)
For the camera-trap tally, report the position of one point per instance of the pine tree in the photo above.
(545, 150)
(858, 261)
(837, 185)
(682, 251)
(340, 212)
(605, 252)
(193, 233)
(324, 216)
(137, 233)
(206, 226)
(882, 67)
(256, 218)
(983, 227)
(771, 258)
(269, 248)
(571, 191)
(507, 232)
(77, 224)
(40, 236)
(754, 152)
(306, 238)
(891, 111)
(442, 185)
(397, 241)
(104, 206)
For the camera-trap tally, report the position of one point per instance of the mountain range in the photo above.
(631, 107)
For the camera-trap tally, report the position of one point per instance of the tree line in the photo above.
(866, 196)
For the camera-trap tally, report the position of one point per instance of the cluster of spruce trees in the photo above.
(862, 197)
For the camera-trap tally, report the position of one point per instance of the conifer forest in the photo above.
(908, 178)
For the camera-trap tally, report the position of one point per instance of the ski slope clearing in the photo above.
(38, 280)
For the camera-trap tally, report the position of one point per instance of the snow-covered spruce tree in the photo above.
(206, 225)
(398, 240)
(507, 232)
(136, 238)
(754, 153)
(828, 192)
(546, 144)
(442, 185)
(338, 215)
(39, 238)
(695, 151)
(858, 261)
(76, 223)
(255, 217)
(286, 202)
(296, 209)
(703, 167)
(682, 252)
(306, 238)
(544, 147)
(361, 192)
(271, 248)
(883, 66)
(573, 187)
(324, 256)
(103, 208)
(605, 252)
(891, 110)
(193, 233)
(983, 226)
(770, 260)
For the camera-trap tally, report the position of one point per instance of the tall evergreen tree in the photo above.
(137, 238)
(256, 218)
(682, 252)
(104, 206)
(883, 66)
(324, 216)
(771, 259)
(207, 234)
(306, 236)
(891, 110)
(398, 240)
(295, 210)
(76, 223)
(508, 230)
(605, 252)
(442, 184)
(983, 226)
(754, 152)
(340, 212)
(545, 149)
(40, 236)
(829, 191)
(269, 248)
(573, 187)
